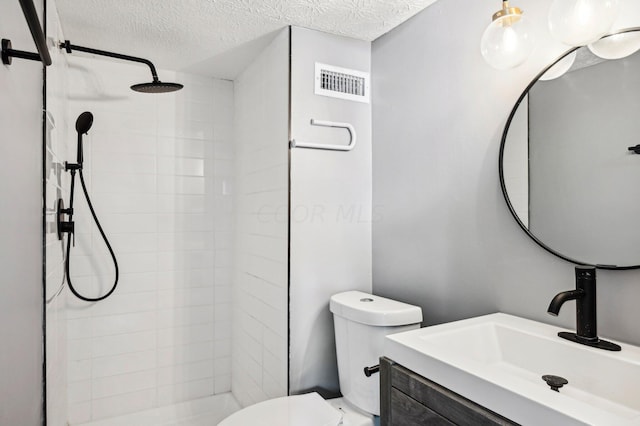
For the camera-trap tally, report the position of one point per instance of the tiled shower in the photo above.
(160, 173)
(161, 181)
(165, 173)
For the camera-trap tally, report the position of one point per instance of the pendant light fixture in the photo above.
(508, 40)
(580, 22)
(616, 46)
(559, 68)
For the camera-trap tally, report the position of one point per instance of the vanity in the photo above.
(489, 370)
(408, 399)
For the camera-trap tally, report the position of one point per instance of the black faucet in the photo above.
(586, 318)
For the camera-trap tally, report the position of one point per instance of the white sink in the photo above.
(498, 361)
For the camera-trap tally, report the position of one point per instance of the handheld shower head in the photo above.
(83, 124)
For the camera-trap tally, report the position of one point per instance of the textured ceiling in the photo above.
(180, 34)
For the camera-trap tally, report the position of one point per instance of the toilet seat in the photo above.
(308, 410)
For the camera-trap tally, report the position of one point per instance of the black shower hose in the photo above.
(104, 237)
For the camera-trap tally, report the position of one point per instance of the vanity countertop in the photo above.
(498, 361)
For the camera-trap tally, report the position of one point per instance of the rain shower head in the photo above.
(156, 86)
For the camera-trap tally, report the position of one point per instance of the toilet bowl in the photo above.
(361, 322)
(308, 410)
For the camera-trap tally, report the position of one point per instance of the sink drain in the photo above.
(555, 382)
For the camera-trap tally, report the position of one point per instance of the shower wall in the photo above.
(20, 229)
(159, 170)
(260, 303)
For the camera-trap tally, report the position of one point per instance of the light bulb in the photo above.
(580, 22)
(560, 67)
(616, 46)
(508, 40)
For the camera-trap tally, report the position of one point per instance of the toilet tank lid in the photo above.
(373, 310)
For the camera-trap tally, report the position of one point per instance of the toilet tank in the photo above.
(361, 322)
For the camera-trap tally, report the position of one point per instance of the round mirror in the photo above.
(569, 169)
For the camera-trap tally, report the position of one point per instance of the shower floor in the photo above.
(200, 412)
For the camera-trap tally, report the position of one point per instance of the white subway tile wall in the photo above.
(260, 291)
(159, 169)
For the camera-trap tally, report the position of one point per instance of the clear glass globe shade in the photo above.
(560, 67)
(616, 46)
(507, 42)
(580, 22)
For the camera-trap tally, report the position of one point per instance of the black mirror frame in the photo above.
(501, 168)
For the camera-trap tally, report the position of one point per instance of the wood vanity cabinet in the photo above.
(408, 399)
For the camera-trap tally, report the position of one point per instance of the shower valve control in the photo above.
(64, 226)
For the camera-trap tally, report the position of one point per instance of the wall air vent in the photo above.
(342, 83)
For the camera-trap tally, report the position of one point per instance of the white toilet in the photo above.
(361, 321)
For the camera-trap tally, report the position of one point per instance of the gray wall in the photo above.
(21, 345)
(443, 237)
(584, 181)
(330, 249)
